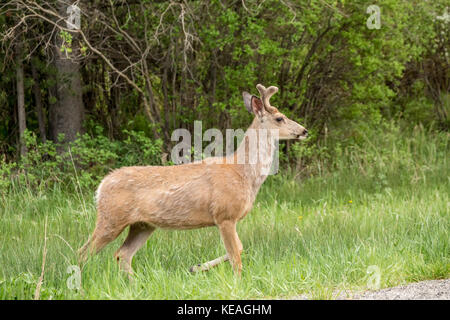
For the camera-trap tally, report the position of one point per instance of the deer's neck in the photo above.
(257, 149)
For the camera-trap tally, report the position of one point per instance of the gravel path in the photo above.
(424, 290)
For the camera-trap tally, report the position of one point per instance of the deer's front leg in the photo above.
(232, 244)
(208, 265)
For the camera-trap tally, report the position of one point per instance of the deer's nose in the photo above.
(305, 132)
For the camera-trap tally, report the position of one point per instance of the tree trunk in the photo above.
(68, 111)
(21, 116)
(38, 103)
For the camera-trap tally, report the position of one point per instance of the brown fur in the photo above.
(187, 196)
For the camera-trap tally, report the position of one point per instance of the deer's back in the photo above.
(178, 197)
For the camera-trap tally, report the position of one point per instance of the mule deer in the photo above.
(195, 195)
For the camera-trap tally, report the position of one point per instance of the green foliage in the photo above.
(81, 163)
(370, 151)
(332, 70)
(66, 45)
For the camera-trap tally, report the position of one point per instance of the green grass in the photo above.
(383, 204)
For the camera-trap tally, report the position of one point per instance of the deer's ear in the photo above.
(253, 104)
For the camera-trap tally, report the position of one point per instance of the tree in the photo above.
(68, 112)
(21, 114)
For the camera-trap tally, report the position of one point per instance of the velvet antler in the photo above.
(265, 96)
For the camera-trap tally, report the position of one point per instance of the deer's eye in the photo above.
(279, 119)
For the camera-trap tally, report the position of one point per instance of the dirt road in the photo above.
(424, 290)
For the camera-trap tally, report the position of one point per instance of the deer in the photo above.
(210, 192)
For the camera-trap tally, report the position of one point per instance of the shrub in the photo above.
(81, 163)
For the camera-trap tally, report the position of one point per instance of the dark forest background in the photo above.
(115, 89)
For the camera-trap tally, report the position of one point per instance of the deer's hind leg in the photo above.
(137, 236)
(103, 234)
(107, 229)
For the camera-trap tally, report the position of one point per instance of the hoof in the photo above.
(195, 269)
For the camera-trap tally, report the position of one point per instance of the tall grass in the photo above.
(383, 202)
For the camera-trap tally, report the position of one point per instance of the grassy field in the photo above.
(381, 210)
